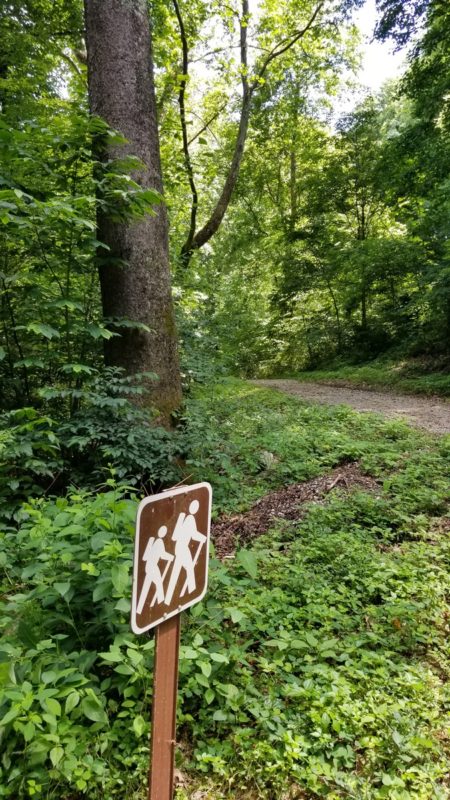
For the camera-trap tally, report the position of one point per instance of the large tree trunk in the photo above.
(135, 274)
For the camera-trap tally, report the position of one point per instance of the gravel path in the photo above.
(423, 412)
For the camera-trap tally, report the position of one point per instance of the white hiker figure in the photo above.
(185, 532)
(154, 553)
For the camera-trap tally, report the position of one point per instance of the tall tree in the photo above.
(282, 26)
(134, 273)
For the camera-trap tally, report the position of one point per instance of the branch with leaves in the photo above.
(195, 239)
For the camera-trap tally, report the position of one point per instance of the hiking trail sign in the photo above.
(170, 574)
(170, 554)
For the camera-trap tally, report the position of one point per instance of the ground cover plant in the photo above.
(318, 664)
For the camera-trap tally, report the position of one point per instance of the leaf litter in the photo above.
(288, 503)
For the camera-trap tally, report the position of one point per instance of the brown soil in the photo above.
(423, 412)
(284, 504)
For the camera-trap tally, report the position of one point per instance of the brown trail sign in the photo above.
(170, 574)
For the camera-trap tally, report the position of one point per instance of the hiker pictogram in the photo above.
(153, 554)
(185, 532)
(171, 554)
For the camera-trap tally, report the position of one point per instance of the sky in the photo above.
(379, 60)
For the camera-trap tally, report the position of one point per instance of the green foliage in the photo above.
(29, 457)
(317, 660)
(328, 689)
(51, 185)
(94, 431)
(337, 245)
(67, 578)
(227, 446)
(108, 430)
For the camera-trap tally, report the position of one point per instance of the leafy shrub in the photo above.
(29, 457)
(105, 433)
(67, 578)
(51, 187)
(108, 430)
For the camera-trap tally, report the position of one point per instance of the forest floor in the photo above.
(428, 413)
(317, 666)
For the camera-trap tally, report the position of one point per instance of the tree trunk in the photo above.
(293, 186)
(135, 273)
(364, 304)
(337, 314)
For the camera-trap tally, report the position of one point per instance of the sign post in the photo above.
(165, 685)
(170, 574)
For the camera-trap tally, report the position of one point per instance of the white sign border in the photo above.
(148, 501)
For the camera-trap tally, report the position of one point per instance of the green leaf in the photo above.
(139, 725)
(48, 676)
(119, 577)
(124, 604)
(29, 731)
(298, 644)
(102, 590)
(124, 669)
(72, 701)
(247, 559)
(206, 668)
(56, 754)
(100, 332)
(188, 653)
(209, 696)
(236, 614)
(220, 658)
(78, 369)
(65, 302)
(44, 330)
(62, 588)
(93, 709)
(279, 644)
(113, 656)
(122, 322)
(31, 361)
(9, 716)
(398, 739)
(52, 706)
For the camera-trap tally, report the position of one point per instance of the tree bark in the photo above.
(135, 273)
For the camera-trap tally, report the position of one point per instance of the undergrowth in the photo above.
(317, 665)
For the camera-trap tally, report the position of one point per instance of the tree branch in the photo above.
(211, 226)
(218, 213)
(187, 156)
(70, 62)
(207, 124)
(285, 44)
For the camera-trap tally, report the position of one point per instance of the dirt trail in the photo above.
(423, 412)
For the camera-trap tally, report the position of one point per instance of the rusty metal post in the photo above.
(165, 685)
